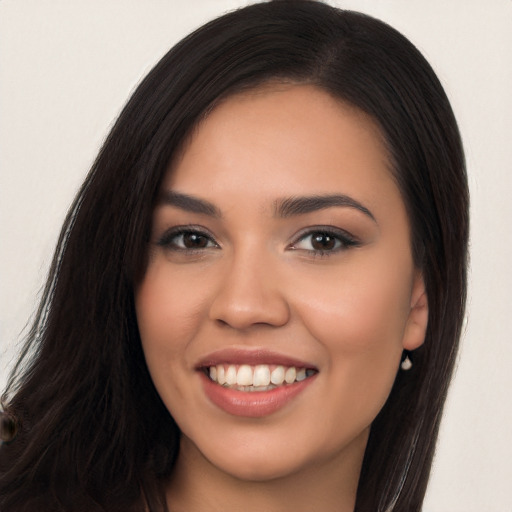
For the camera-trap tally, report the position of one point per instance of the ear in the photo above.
(416, 327)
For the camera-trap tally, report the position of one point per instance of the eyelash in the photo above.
(342, 240)
(168, 239)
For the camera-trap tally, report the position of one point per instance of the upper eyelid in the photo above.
(186, 228)
(331, 230)
(340, 233)
(346, 241)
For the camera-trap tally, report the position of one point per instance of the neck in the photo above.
(329, 485)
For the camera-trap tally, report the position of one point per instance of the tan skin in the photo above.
(331, 285)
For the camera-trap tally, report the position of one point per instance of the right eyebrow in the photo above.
(189, 203)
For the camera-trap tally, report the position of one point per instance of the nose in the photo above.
(250, 292)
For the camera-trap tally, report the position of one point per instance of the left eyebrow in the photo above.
(290, 206)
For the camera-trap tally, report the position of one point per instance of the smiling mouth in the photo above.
(261, 377)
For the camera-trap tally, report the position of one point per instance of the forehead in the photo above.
(284, 140)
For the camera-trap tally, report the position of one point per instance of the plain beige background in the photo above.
(66, 69)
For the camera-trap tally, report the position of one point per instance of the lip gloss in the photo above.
(252, 404)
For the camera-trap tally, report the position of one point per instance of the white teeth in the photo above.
(231, 375)
(290, 375)
(277, 375)
(261, 375)
(244, 375)
(221, 375)
(301, 374)
(257, 378)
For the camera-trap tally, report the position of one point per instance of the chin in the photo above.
(260, 468)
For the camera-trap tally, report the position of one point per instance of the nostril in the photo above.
(246, 296)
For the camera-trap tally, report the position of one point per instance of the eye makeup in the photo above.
(324, 240)
(187, 238)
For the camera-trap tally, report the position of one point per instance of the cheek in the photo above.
(167, 308)
(167, 313)
(360, 318)
(362, 333)
(364, 306)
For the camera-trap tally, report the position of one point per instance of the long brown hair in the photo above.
(92, 433)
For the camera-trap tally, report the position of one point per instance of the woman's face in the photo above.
(280, 290)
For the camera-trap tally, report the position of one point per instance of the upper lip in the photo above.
(251, 357)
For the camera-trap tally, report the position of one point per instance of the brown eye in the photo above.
(182, 239)
(194, 241)
(323, 242)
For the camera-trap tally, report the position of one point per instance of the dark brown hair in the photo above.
(92, 432)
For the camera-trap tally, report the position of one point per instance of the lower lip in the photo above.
(253, 404)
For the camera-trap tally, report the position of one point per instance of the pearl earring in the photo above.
(406, 363)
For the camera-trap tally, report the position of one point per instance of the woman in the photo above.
(276, 222)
